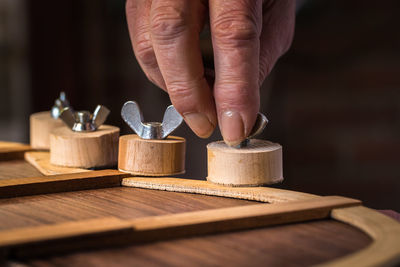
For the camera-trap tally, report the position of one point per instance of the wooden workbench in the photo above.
(299, 244)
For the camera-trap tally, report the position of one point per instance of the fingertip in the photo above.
(232, 127)
(200, 124)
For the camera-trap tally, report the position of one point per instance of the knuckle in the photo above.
(236, 94)
(168, 22)
(235, 26)
(130, 6)
(179, 90)
(182, 94)
(145, 53)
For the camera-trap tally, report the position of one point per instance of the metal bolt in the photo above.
(259, 125)
(84, 121)
(59, 104)
(132, 115)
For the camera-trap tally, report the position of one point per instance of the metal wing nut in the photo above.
(84, 121)
(133, 116)
(59, 104)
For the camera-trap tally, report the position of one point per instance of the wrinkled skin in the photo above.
(248, 36)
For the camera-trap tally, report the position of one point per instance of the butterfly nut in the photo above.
(133, 116)
(84, 121)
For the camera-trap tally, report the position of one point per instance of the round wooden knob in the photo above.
(84, 149)
(149, 157)
(41, 124)
(259, 163)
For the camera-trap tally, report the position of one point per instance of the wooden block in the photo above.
(12, 150)
(41, 161)
(84, 149)
(259, 163)
(60, 183)
(41, 124)
(151, 157)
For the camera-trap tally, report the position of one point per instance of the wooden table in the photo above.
(298, 244)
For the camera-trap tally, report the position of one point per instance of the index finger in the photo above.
(235, 28)
(175, 28)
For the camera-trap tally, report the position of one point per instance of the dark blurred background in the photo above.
(333, 100)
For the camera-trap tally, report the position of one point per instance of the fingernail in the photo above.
(232, 128)
(200, 124)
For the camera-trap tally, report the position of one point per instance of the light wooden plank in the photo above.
(41, 161)
(60, 183)
(384, 251)
(262, 194)
(48, 239)
(19, 236)
(236, 218)
(12, 150)
(20, 241)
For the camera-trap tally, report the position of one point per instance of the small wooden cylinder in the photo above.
(259, 163)
(84, 149)
(41, 124)
(151, 157)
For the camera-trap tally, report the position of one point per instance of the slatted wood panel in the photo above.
(291, 245)
(121, 202)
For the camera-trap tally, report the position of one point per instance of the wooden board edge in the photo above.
(13, 150)
(41, 161)
(384, 231)
(17, 187)
(44, 239)
(261, 194)
(380, 230)
(63, 237)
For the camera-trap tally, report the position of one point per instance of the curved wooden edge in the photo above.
(262, 194)
(384, 231)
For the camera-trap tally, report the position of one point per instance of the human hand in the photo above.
(248, 37)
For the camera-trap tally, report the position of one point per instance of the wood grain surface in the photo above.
(289, 245)
(41, 125)
(46, 239)
(258, 163)
(59, 183)
(302, 244)
(41, 161)
(151, 157)
(17, 169)
(84, 149)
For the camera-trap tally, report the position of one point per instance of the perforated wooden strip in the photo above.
(60, 183)
(65, 236)
(262, 194)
